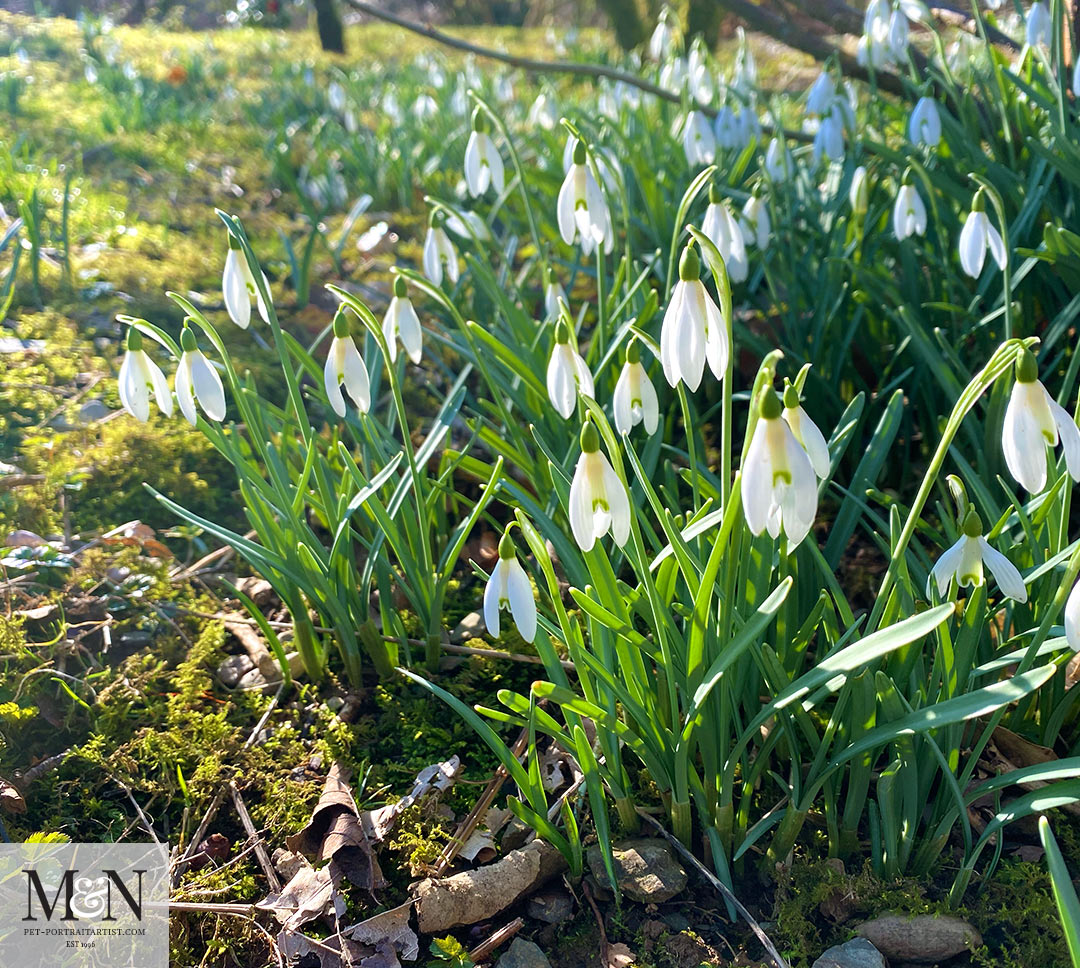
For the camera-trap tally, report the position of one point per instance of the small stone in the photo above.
(924, 940)
(271, 668)
(523, 954)
(858, 953)
(93, 410)
(515, 835)
(647, 870)
(252, 679)
(287, 863)
(234, 668)
(470, 627)
(551, 907)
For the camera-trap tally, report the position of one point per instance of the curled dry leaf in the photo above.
(335, 834)
(390, 927)
(309, 894)
(10, 799)
(432, 779)
(618, 956)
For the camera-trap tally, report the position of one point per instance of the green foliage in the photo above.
(448, 951)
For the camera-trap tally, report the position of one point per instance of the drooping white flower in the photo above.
(722, 229)
(1072, 618)
(1076, 77)
(702, 85)
(509, 588)
(977, 236)
(964, 561)
(778, 161)
(829, 137)
(335, 96)
(924, 126)
(483, 163)
(662, 41)
(1034, 421)
(542, 113)
(806, 432)
(898, 35)
(197, 380)
(779, 489)
(875, 50)
(635, 397)
(693, 331)
(598, 499)
(567, 373)
(425, 107)
(820, 96)
(909, 212)
(756, 225)
(744, 76)
(238, 287)
(439, 253)
(582, 210)
(345, 365)
(859, 194)
(1038, 28)
(139, 377)
(401, 321)
(553, 292)
(698, 139)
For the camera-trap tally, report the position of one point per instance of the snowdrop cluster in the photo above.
(884, 40)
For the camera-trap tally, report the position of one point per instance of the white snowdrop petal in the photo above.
(1072, 618)
(1004, 571)
(944, 570)
(580, 508)
(491, 600)
(184, 396)
(331, 381)
(522, 603)
(356, 376)
(1069, 434)
(207, 386)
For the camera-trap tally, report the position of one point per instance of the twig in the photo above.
(498, 938)
(775, 955)
(255, 838)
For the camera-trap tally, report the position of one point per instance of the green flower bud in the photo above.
(633, 351)
(689, 265)
(506, 547)
(234, 243)
(562, 331)
(791, 396)
(580, 153)
(341, 324)
(714, 194)
(770, 408)
(550, 276)
(1027, 369)
(978, 203)
(479, 121)
(590, 438)
(134, 339)
(972, 523)
(401, 289)
(188, 343)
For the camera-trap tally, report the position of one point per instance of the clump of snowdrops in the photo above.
(696, 505)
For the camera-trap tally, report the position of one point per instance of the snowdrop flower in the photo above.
(598, 499)
(1033, 422)
(977, 236)
(483, 164)
(924, 127)
(859, 194)
(964, 562)
(402, 322)
(662, 41)
(509, 588)
(673, 75)
(699, 142)
(829, 138)
(196, 379)
(693, 330)
(635, 397)
(542, 112)
(745, 75)
(898, 35)
(806, 432)
(424, 107)
(1038, 25)
(335, 95)
(821, 95)
(725, 233)
(582, 210)
(553, 292)
(439, 252)
(909, 212)
(1072, 618)
(779, 490)
(916, 10)
(702, 85)
(778, 161)
(344, 365)
(238, 287)
(756, 225)
(874, 49)
(567, 373)
(139, 376)
(727, 128)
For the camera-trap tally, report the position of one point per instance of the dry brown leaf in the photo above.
(299, 948)
(1072, 671)
(10, 798)
(618, 956)
(1021, 751)
(309, 894)
(335, 833)
(390, 927)
(432, 779)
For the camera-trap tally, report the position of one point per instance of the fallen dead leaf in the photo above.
(309, 894)
(389, 927)
(618, 956)
(431, 780)
(10, 798)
